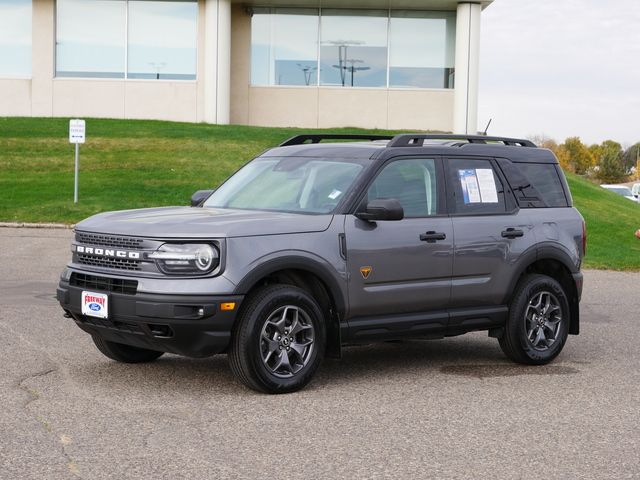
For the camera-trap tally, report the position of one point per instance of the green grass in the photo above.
(611, 222)
(133, 164)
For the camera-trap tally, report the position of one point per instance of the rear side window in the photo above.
(535, 185)
(476, 188)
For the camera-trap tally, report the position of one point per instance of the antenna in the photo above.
(487, 127)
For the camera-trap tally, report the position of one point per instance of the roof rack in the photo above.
(317, 138)
(417, 139)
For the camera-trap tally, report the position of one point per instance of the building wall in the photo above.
(43, 95)
(307, 107)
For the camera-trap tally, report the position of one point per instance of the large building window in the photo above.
(126, 39)
(422, 49)
(284, 46)
(15, 38)
(352, 48)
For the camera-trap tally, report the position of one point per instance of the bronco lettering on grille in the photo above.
(107, 252)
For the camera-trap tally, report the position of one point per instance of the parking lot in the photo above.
(453, 408)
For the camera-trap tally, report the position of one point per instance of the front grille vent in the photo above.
(113, 325)
(104, 284)
(109, 240)
(108, 262)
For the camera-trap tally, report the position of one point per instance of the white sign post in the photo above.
(77, 136)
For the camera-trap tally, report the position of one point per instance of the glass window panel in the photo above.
(162, 40)
(284, 46)
(90, 38)
(422, 49)
(353, 48)
(411, 182)
(15, 37)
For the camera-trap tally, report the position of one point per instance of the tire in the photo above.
(125, 353)
(278, 341)
(538, 323)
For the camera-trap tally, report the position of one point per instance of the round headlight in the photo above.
(204, 257)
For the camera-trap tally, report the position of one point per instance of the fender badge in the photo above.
(365, 272)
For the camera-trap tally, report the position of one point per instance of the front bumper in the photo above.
(189, 325)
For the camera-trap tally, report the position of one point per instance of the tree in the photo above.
(611, 168)
(631, 156)
(579, 158)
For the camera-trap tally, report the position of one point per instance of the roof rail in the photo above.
(317, 138)
(417, 139)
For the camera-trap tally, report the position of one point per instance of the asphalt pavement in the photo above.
(453, 408)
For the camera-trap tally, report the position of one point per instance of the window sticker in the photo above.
(335, 194)
(478, 185)
(470, 188)
(488, 191)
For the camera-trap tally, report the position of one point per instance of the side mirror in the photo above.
(200, 196)
(382, 209)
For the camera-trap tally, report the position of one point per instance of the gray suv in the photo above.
(313, 246)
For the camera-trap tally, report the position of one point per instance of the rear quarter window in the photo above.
(535, 185)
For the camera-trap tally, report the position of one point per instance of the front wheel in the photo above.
(279, 340)
(538, 322)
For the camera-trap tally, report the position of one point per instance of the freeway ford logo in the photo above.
(107, 252)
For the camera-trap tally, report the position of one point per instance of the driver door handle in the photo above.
(432, 236)
(512, 233)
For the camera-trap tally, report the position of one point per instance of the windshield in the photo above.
(289, 184)
(624, 191)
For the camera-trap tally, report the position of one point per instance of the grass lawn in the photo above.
(132, 164)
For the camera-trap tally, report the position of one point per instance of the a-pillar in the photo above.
(217, 65)
(465, 109)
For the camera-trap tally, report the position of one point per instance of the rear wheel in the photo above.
(278, 341)
(538, 323)
(125, 353)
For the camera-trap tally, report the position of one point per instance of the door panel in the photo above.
(402, 266)
(407, 274)
(491, 234)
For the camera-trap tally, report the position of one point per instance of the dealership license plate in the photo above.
(95, 304)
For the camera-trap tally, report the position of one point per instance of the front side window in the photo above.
(475, 187)
(412, 182)
(126, 39)
(15, 38)
(289, 184)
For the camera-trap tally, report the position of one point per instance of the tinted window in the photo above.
(535, 185)
(411, 182)
(476, 189)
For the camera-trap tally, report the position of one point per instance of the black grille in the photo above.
(109, 240)
(114, 325)
(104, 284)
(109, 262)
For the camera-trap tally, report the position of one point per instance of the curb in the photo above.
(36, 225)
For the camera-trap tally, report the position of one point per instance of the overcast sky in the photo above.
(561, 68)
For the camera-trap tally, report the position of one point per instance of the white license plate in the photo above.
(95, 304)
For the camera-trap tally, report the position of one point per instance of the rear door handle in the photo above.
(512, 233)
(432, 236)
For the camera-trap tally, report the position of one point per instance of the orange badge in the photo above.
(365, 272)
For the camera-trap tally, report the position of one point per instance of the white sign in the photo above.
(76, 131)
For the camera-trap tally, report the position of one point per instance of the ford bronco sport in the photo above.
(313, 246)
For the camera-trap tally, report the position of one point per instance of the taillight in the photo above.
(584, 238)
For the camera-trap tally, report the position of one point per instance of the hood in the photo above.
(190, 222)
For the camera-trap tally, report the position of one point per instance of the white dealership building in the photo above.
(396, 64)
